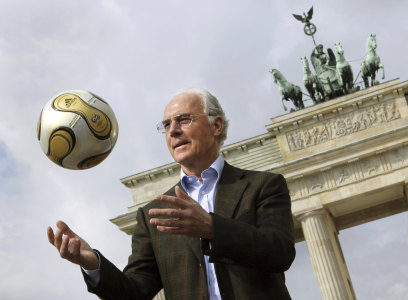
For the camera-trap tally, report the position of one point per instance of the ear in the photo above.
(218, 126)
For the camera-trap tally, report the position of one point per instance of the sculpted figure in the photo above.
(312, 83)
(288, 90)
(321, 60)
(325, 67)
(372, 63)
(345, 75)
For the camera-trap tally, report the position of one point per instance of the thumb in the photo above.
(65, 229)
(182, 194)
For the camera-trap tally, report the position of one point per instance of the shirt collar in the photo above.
(217, 166)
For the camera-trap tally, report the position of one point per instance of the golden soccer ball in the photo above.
(77, 129)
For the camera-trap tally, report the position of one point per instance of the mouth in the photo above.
(179, 144)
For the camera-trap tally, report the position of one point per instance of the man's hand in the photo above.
(72, 247)
(187, 218)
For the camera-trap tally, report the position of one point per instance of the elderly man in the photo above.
(220, 233)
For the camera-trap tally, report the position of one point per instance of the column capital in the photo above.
(317, 211)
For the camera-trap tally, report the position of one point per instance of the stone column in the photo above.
(326, 255)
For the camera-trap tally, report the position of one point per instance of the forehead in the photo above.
(184, 103)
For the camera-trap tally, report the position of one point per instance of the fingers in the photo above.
(65, 229)
(50, 235)
(63, 249)
(186, 218)
(70, 249)
(173, 201)
(172, 217)
(165, 212)
(57, 239)
(181, 194)
(175, 230)
(182, 200)
(167, 222)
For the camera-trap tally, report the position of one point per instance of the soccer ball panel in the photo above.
(61, 144)
(98, 122)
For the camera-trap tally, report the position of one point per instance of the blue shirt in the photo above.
(204, 193)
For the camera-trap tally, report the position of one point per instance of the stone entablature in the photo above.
(259, 153)
(351, 171)
(358, 175)
(340, 121)
(343, 125)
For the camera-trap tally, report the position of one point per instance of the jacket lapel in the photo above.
(194, 244)
(229, 191)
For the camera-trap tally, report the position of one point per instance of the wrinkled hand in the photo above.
(71, 247)
(187, 218)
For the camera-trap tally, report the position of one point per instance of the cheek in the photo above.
(168, 143)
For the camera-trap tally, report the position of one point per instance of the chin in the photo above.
(181, 157)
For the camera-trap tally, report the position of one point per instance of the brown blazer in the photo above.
(253, 245)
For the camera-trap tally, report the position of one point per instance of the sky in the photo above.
(135, 54)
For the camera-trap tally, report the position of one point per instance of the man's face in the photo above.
(196, 145)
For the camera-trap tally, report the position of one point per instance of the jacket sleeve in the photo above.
(260, 234)
(139, 280)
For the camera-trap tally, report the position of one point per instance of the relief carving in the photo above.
(370, 166)
(294, 191)
(398, 157)
(315, 183)
(348, 173)
(343, 125)
(343, 175)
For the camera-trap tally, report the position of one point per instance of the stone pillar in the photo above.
(326, 255)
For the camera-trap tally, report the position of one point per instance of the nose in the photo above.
(174, 128)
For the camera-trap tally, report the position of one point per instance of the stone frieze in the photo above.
(351, 172)
(342, 125)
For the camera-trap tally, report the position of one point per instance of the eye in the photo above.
(166, 124)
(184, 119)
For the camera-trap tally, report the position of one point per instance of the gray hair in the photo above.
(211, 107)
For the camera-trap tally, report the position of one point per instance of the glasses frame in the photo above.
(161, 128)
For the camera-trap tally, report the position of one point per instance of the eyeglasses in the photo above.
(183, 121)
